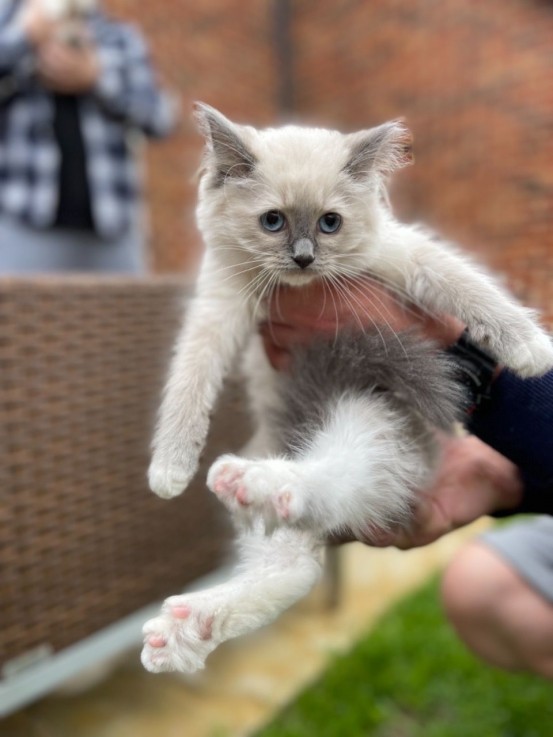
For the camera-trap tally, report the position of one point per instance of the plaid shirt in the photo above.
(125, 97)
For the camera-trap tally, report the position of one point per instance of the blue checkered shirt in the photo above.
(126, 97)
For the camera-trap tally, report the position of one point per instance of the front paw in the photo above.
(528, 357)
(522, 347)
(168, 478)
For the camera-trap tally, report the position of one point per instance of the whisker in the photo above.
(234, 274)
(263, 287)
(355, 312)
(335, 308)
(382, 314)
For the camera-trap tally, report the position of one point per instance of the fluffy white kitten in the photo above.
(69, 16)
(287, 206)
(68, 8)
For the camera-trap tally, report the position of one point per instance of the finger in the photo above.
(376, 538)
(341, 538)
(288, 303)
(49, 50)
(50, 65)
(370, 535)
(47, 78)
(279, 358)
(282, 336)
(429, 523)
(63, 54)
(358, 301)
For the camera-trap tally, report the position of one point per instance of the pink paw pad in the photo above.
(181, 611)
(204, 624)
(227, 479)
(156, 641)
(242, 496)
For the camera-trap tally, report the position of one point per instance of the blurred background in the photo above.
(474, 82)
(472, 79)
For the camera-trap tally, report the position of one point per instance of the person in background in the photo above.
(75, 89)
(498, 589)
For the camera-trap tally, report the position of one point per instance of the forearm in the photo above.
(516, 421)
(216, 327)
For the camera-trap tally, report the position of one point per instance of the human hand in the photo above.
(66, 68)
(38, 24)
(472, 481)
(297, 314)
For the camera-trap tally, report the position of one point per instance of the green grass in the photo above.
(411, 677)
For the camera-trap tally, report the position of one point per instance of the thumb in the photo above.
(427, 525)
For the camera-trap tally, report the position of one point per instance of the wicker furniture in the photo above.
(82, 540)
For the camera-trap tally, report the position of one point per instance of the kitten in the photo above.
(67, 8)
(70, 15)
(287, 206)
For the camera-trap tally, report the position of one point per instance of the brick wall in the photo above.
(473, 79)
(475, 82)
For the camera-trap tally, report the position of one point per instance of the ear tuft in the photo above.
(226, 153)
(380, 150)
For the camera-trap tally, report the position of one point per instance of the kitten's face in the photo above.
(295, 203)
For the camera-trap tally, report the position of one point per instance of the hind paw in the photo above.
(182, 637)
(269, 489)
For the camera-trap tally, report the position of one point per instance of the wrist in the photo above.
(508, 484)
(475, 368)
(446, 330)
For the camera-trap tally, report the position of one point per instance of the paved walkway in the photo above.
(248, 680)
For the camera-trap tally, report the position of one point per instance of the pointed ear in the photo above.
(380, 150)
(226, 151)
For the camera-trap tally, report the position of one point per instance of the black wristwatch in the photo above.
(476, 369)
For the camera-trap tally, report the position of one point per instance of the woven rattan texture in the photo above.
(82, 540)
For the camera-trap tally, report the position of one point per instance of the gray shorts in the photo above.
(528, 548)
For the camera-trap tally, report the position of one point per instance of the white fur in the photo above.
(275, 571)
(341, 480)
(358, 469)
(67, 8)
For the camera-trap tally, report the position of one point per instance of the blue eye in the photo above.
(330, 222)
(273, 221)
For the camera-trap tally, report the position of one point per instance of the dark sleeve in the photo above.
(517, 421)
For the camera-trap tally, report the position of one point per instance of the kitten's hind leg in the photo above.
(274, 572)
(343, 477)
(271, 488)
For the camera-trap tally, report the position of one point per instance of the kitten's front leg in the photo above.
(217, 325)
(448, 283)
(275, 571)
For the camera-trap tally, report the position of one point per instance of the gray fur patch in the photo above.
(228, 154)
(384, 149)
(407, 370)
